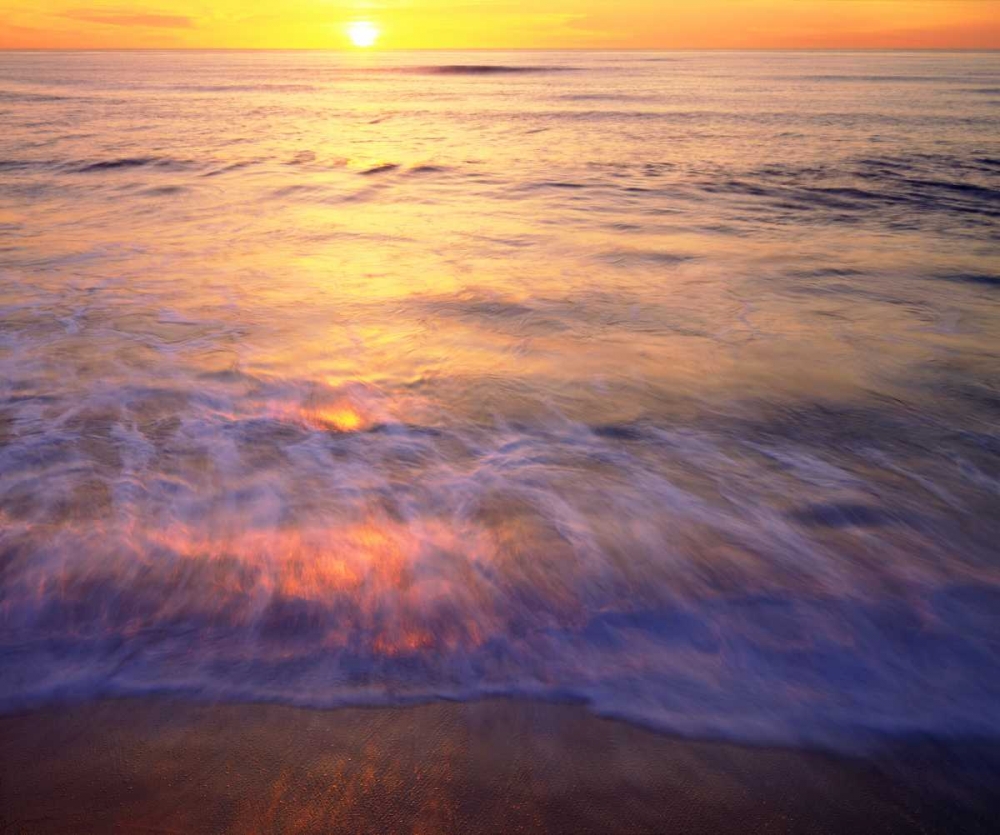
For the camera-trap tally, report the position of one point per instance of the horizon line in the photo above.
(355, 51)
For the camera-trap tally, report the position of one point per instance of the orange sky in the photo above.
(502, 23)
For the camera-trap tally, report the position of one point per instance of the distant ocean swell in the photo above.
(845, 193)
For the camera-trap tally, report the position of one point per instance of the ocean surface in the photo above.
(668, 382)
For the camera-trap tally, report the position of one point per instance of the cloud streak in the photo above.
(124, 17)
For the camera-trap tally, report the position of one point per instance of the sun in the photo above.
(362, 33)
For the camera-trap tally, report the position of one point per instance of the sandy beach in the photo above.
(164, 766)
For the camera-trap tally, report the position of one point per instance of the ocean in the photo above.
(664, 382)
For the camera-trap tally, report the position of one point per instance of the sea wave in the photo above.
(480, 69)
(425, 575)
(663, 386)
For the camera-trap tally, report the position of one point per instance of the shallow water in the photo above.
(664, 381)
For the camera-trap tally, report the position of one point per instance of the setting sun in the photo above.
(362, 34)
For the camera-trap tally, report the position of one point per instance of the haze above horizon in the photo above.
(504, 24)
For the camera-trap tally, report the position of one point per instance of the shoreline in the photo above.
(160, 764)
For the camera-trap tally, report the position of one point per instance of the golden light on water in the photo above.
(363, 33)
(338, 419)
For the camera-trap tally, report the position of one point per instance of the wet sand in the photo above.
(166, 766)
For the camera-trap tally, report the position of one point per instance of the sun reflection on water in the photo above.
(337, 419)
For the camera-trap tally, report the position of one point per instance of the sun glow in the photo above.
(362, 33)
